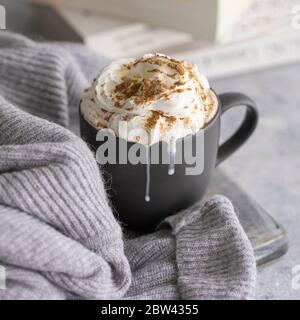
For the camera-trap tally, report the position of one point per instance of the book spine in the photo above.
(255, 54)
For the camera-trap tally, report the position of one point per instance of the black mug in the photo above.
(170, 193)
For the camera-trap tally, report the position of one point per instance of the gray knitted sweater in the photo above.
(58, 236)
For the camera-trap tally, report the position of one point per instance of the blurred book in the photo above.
(117, 38)
(245, 56)
(206, 19)
(223, 37)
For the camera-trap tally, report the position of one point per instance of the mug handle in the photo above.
(228, 101)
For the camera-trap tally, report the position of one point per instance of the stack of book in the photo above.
(223, 37)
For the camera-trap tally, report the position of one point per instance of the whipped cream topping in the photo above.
(149, 99)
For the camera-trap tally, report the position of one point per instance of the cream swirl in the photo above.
(164, 97)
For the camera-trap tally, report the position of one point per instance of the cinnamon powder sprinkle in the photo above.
(143, 92)
(152, 120)
(177, 66)
(173, 75)
(203, 97)
(127, 66)
(179, 83)
(147, 90)
(155, 116)
(150, 89)
(160, 61)
(128, 88)
(170, 120)
(155, 70)
(117, 104)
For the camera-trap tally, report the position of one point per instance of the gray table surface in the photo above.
(268, 165)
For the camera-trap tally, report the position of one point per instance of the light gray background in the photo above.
(268, 165)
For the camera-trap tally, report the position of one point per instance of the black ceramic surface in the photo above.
(169, 193)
